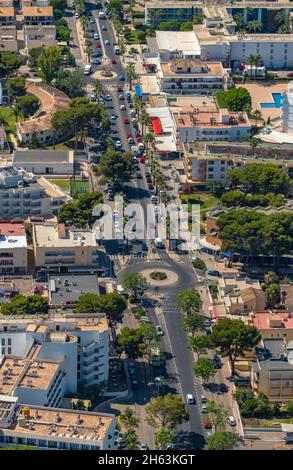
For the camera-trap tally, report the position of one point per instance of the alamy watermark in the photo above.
(149, 222)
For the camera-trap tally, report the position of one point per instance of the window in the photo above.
(9, 341)
(3, 351)
(9, 350)
(3, 341)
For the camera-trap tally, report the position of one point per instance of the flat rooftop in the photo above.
(37, 11)
(10, 370)
(204, 117)
(209, 69)
(185, 42)
(58, 422)
(39, 375)
(68, 288)
(6, 11)
(46, 156)
(266, 320)
(47, 235)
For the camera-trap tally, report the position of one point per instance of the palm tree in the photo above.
(122, 46)
(257, 116)
(99, 87)
(148, 139)
(130, 74)
(145, 120)
(137, 101)
(89, 51)
(254, 26)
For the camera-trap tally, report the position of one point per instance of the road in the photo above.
(179, 370)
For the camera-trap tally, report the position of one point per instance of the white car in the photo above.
(122, 107)
(118, 144)
(108, 97)
(96, 36)
(92, 20)
(76, 16)
(231, 421)
(143, 446)
(97, 61)
(107, 42)
(159, 330)
(93, 94)
(104, 28)
(204, 408)
(190, 399)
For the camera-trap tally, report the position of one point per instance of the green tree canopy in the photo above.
(135, 284)
(261, 178)
(9, 63)
(166, 411)
(79, 211)
(205, 368)
(27, 105)
(72, 83)
(218, 415)
(222, 440)
(112, 304)
(16, 86)
(163, 437)
(130, 340)
(116, 167)
(193, 322)
(200, 344)
(34, 55)
(49, 63)
(22, 305)
(189, 301)
(235, 99)
(234, 339)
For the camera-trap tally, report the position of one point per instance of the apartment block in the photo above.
(57, 246)
(273, 324)
(39, 36)
(272, 370)
(7, 15)
(13, 248)
(8, 38)
(35, 15)
(45, 162)
(23, 195)
(44, 359)
(54, 428)
(182, 76)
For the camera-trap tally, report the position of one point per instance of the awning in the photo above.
(157, 126)
(138, 91)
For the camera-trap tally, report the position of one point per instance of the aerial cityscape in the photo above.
(146, 226)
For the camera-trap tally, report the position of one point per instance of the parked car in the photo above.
(207, 424)
(96, 37)
(231, 421)
(121, 78)
(143, 446)
(204, 408)
(159, 331)
(213, 272)
(113, 61)
(203, 399)
(126, 121)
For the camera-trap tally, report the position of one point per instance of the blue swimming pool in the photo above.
(277, 97)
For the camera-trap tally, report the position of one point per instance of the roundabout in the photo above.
(170, 277)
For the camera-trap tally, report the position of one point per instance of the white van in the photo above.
(116, 49)
(87, 69)
(158, 242)
(101, 15)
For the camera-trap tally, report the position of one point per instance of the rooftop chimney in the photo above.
(61, 231)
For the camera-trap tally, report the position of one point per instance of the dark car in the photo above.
(213, 272)
(144, 247)
(138, 175)
(151, 187)
(121, 78)
(217, 361)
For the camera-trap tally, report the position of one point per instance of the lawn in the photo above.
(266, 423)
(205, 199)
(9, 116)
(79, 187)
(62, 184)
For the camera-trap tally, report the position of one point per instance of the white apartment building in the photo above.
(287, 114)
(54, 428)
(43, 359)
(218, 44)
(45, 162)
(13, 248)
(209, 123)
(56, 246)
(181, 76)
(23, 195)
(39, 36)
